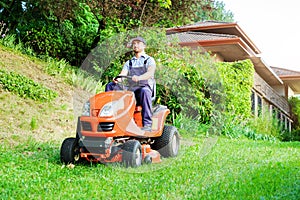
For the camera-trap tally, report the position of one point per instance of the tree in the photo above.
(130, 14)
(71, 28)
(212, 10)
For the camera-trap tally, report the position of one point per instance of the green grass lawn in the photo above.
(205, 169)
(213, 168)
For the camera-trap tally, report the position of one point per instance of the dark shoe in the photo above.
(147, 128)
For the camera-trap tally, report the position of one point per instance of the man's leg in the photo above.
(143, 96)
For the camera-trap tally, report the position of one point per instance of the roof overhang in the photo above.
(230, 49)
(293, 82)
(265, 71)
(289, 77)
(222, 28)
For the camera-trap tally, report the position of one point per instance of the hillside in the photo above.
(24, 118)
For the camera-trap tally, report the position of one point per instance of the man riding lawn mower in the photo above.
(119, 125)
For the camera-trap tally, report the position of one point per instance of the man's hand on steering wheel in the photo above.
(135, 78)
(116, 80)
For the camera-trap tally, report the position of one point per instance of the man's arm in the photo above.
(149, 74)
(124, 72)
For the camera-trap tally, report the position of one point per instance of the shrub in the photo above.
(25, 87)
(265, 127)
(237, 80)
(295, 108)
(187, 82)
(10, 42)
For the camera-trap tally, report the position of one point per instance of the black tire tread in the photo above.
(67, 150)
(129, 149)
(162, 143)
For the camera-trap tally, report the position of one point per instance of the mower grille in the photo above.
(105, 126)
(86, 126)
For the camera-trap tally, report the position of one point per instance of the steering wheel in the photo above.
(125, 85)
(122, 76)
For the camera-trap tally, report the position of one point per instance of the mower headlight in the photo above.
(86, 109)
(111, 108)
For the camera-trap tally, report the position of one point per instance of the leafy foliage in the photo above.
(295, 107)
(237, 79)
(265, 127)
(25, 87)
(212, 10)
(69, 29)
(183, 82)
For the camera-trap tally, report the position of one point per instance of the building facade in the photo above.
(227, 42)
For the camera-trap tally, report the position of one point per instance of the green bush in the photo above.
(187, 82)
(25, 87)
(265, 127)
(67, 39)
(11, 42)
(295, 108)
(237, 80)
(237, 118)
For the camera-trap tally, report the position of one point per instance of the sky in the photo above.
(273, 26)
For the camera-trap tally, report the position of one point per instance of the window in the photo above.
(253, 103)
(259, 105)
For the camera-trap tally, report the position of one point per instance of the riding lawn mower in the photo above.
(110, 130)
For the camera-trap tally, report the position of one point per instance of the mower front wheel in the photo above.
(132, 153)
(69, 151)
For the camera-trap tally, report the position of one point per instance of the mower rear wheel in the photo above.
(69, 151)
(168, 143)
(132, 153)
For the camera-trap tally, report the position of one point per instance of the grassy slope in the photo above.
(21, 118)
(205, 169)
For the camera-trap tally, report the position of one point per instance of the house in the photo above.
(291, 80)
(227, 42)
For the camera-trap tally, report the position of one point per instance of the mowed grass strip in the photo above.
(231, 169)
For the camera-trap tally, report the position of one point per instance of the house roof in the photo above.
(265, 71)
(198, 36)
(289, 77)
(285, 72)
(230, 47)
(218, 28)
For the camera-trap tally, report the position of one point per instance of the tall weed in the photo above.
(10, 42)
(266, 125)
(82, 80)
(57, 67)
(189, 126)
(3, 29)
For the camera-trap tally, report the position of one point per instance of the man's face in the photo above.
(138, 46)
